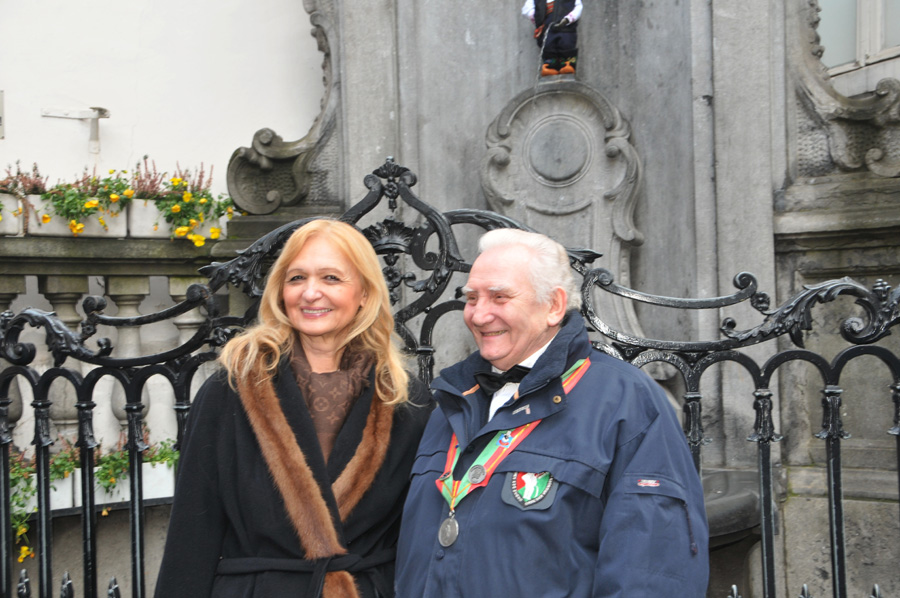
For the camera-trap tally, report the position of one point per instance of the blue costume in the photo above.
(600, 499)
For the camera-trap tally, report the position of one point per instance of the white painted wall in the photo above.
(186, 81)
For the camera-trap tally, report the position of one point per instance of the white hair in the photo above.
(549, 269)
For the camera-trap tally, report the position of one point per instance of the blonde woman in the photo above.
(297, 456)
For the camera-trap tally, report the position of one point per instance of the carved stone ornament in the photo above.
(862, 132)
(272, 172)
(559, 158)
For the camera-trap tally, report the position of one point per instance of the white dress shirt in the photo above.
(502, 396)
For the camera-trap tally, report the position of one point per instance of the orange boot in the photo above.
(546, 71)
(568, 69)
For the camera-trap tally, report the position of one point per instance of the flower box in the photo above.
(158, 482)
(12, 221)
(62, 495)
(145, 221)
(143, 218)
(116, 225)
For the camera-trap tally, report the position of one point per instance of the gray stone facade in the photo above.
(696, 140)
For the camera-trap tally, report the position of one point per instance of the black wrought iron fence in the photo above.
(423, 267)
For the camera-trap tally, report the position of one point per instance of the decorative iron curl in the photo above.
(795, 316)
(60, 340)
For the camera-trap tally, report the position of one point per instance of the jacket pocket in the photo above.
(429, 462)
(665, 488)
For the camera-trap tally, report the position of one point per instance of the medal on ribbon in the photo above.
(480, 472)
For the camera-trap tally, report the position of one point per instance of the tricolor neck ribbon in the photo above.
(501, 445)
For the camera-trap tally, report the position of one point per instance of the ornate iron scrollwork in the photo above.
(428, 275)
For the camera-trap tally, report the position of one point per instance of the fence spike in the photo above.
(113, 591)
(66, 591)
(23, 589)
(734, 592)
(804, 593)
(876, 592)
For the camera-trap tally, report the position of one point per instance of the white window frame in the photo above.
(869, 38)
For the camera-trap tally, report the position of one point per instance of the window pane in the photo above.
(837, 31)
(891, 23)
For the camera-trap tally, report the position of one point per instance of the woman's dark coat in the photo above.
(234, 526)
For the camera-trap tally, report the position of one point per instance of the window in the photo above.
(860, 39)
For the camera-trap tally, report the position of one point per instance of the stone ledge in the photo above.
(868, 484)
(812, 222)
(92, 256)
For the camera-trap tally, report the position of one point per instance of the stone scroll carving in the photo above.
(273, 172)
(863, 132)
(559, 160)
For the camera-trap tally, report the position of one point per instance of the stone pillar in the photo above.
(370, 121)
(127, 292)
(64, 293)
(747, 168)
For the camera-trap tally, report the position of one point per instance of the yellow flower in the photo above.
(93, 203)
(104, 512)
(114, 198)
(214, 232)
(45, 218)
(23, 529)
(182, 231)
(202, 200)
(176, 208)
(175, 181)
(155, 227)
(1, 217)
(129, 193)
(76, 227)
(113, 171)
(198, 240)
(188, 196)
(25, 551)
(193, 222)
(17, 212)
(101, 221)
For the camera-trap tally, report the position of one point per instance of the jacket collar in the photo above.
(310, 500)
(459, 398)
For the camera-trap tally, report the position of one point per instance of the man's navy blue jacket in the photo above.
(601, 499)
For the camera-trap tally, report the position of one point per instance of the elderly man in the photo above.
(566, 476)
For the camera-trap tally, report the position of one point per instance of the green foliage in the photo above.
(67, 460)
(69, 201)
(111, 467)
(114, 191)
(22, 487)
(162, 453)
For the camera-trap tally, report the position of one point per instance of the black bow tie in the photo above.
(491, 382)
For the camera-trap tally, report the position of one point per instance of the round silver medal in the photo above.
(448, 532)
(476, 474)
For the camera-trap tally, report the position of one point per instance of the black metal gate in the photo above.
(424, 261)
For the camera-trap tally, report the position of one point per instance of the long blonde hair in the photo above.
(259, 349)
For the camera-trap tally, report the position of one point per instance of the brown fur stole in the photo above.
(302, 496)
